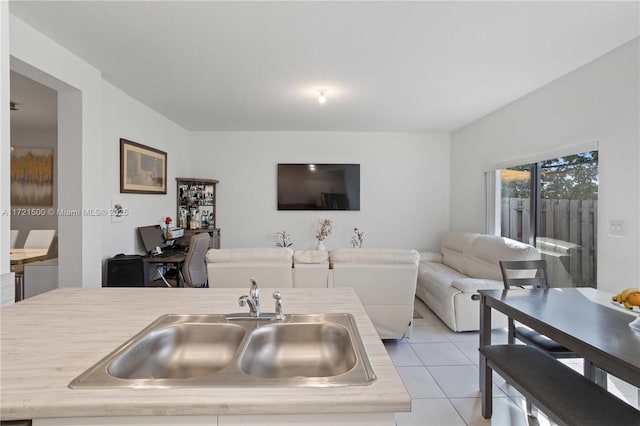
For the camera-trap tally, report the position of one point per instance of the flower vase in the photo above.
(320, 245)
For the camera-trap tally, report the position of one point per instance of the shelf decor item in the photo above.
(196, 208)
(283, 239)
(143, 170)
(324, 230)
(357, 239)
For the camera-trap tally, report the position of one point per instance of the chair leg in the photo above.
(594, 374)
(511, 332)
(529, 408)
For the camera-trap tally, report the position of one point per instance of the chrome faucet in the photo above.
(253, 300)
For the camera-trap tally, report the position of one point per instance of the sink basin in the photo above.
(298, 350)
(179, 351)
(314, 350)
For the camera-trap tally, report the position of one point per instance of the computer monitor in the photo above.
(152, 237)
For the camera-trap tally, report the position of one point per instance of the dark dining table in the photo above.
(583, 319)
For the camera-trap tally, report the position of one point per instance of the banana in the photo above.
(625, 294)
(629, 297)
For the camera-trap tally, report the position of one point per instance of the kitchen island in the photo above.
(48, 340)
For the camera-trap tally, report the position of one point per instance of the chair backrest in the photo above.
(14, 237)
(39, 239)
(233, 267)
(195, 268)
(524, 273)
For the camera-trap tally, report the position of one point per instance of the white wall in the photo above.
(6, 276)
(92, 117)
(404, 186)
(79, 150)
(596, 102)
(148, 128)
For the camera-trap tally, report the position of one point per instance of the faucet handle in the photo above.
(242, 300)
(279, 312)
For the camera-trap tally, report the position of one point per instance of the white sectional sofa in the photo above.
(385, 281)
(448, 281)
(271, 267)
(310, 268)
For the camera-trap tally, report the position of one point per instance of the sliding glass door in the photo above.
(553, 205)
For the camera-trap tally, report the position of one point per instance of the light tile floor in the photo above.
(440, 371)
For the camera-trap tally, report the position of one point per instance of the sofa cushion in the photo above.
(372, 255)
(248, 255)
(472, 285)
(437, 275)
(455, 248)
(488, 250)
(310, 256)
(430, 256)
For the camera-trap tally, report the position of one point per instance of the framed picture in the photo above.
(32, 176)
(143, 170)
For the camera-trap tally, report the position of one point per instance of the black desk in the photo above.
(582, 319)
(176, 260)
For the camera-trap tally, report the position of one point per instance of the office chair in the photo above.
(39, 239)
(194, 269)
(533, 274)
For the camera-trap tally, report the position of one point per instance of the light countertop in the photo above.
(48, 340)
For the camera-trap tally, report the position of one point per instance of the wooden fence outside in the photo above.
(572, 221)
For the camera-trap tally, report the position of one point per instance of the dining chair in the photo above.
(39, 239)
(533, 274)
(14, 237)
(194, 269)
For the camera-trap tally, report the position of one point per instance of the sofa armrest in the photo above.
(472, 285)
(430, 256)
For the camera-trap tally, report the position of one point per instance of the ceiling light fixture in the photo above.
(322, 99)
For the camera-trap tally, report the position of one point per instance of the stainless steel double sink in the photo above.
(316, 350)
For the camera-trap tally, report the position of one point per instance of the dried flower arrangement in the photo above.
(324, 230)
(283, 239)
(357, 239)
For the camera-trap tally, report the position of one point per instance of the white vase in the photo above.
(320, 245)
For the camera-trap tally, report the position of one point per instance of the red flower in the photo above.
(168, 220)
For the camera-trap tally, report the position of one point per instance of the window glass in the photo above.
(515, 183)
(553, 205)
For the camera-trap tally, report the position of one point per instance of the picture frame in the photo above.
(143, 170)
(32, 176)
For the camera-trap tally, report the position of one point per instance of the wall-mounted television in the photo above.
(318, 186)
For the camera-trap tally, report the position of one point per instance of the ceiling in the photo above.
(387, 66)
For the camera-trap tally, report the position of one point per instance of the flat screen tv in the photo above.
(318, 186)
